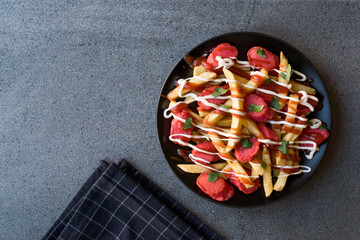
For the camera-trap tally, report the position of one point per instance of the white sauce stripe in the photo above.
(289, 114)
(259, 74)
(316, 123)
(287, 123)
(224, 62)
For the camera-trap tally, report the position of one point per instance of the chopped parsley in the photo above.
(263, 164)
(213, 176)
(188, 123)
(225, 106)
(288, 73)
(219, 91)
(284, 148)
(323, 127)
(255, 108)
(275, 103)
(260, 53)
(246, 143)
(267, 81)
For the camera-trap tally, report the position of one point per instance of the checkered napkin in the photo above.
(118, 202)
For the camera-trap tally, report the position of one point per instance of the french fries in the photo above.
(229, 128)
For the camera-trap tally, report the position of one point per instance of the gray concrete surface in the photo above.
(79, 81)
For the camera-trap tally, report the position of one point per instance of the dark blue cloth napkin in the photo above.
(118, 202)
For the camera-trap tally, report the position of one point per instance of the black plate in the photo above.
(244, 41)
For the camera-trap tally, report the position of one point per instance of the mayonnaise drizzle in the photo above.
(303, 76)
(259, 74)
(312, 149)
(287, 123)
(224, 62)
(316, 123)
(289, 114)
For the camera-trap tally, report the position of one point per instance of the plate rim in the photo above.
(160, 115)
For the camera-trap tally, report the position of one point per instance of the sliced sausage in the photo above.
(177, 126)
(269, 62)
(210, 91)
(219, 190)
(235, 181)
(206, 146)
(247, 154)
(316, 135)
(264, 115)
(224, 50)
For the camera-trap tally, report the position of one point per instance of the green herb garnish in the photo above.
(260, 53)
(188, 123)
(323, 127)
(309, 123)
(284, 148)
(275, 103)
(219, 91)
(255, 108)
(267, 81)
(263, 164)
(288, 73)
(225, 106)
(213, 176)
(246, 143)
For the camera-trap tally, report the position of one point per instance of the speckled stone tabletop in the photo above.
(79, 82)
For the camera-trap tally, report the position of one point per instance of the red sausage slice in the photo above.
(220, 190)
(177, 125)
(235, 180)
(247, 154)
(264, 115)
(269, 62)
(316, 135)
(206, 146)
(267, 132)
(210, 91)
(224, 50)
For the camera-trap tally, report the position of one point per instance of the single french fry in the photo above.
(198, 70)
(203, 113)
(256, 169)
(225, 122)
(215, 116)
(267, 178)
(174, 94)
(255, 81)
(194, 168)
(292, 108)
(282, 178)
(251, 126)
(284, 63)
(298, 86)
(237, 104)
